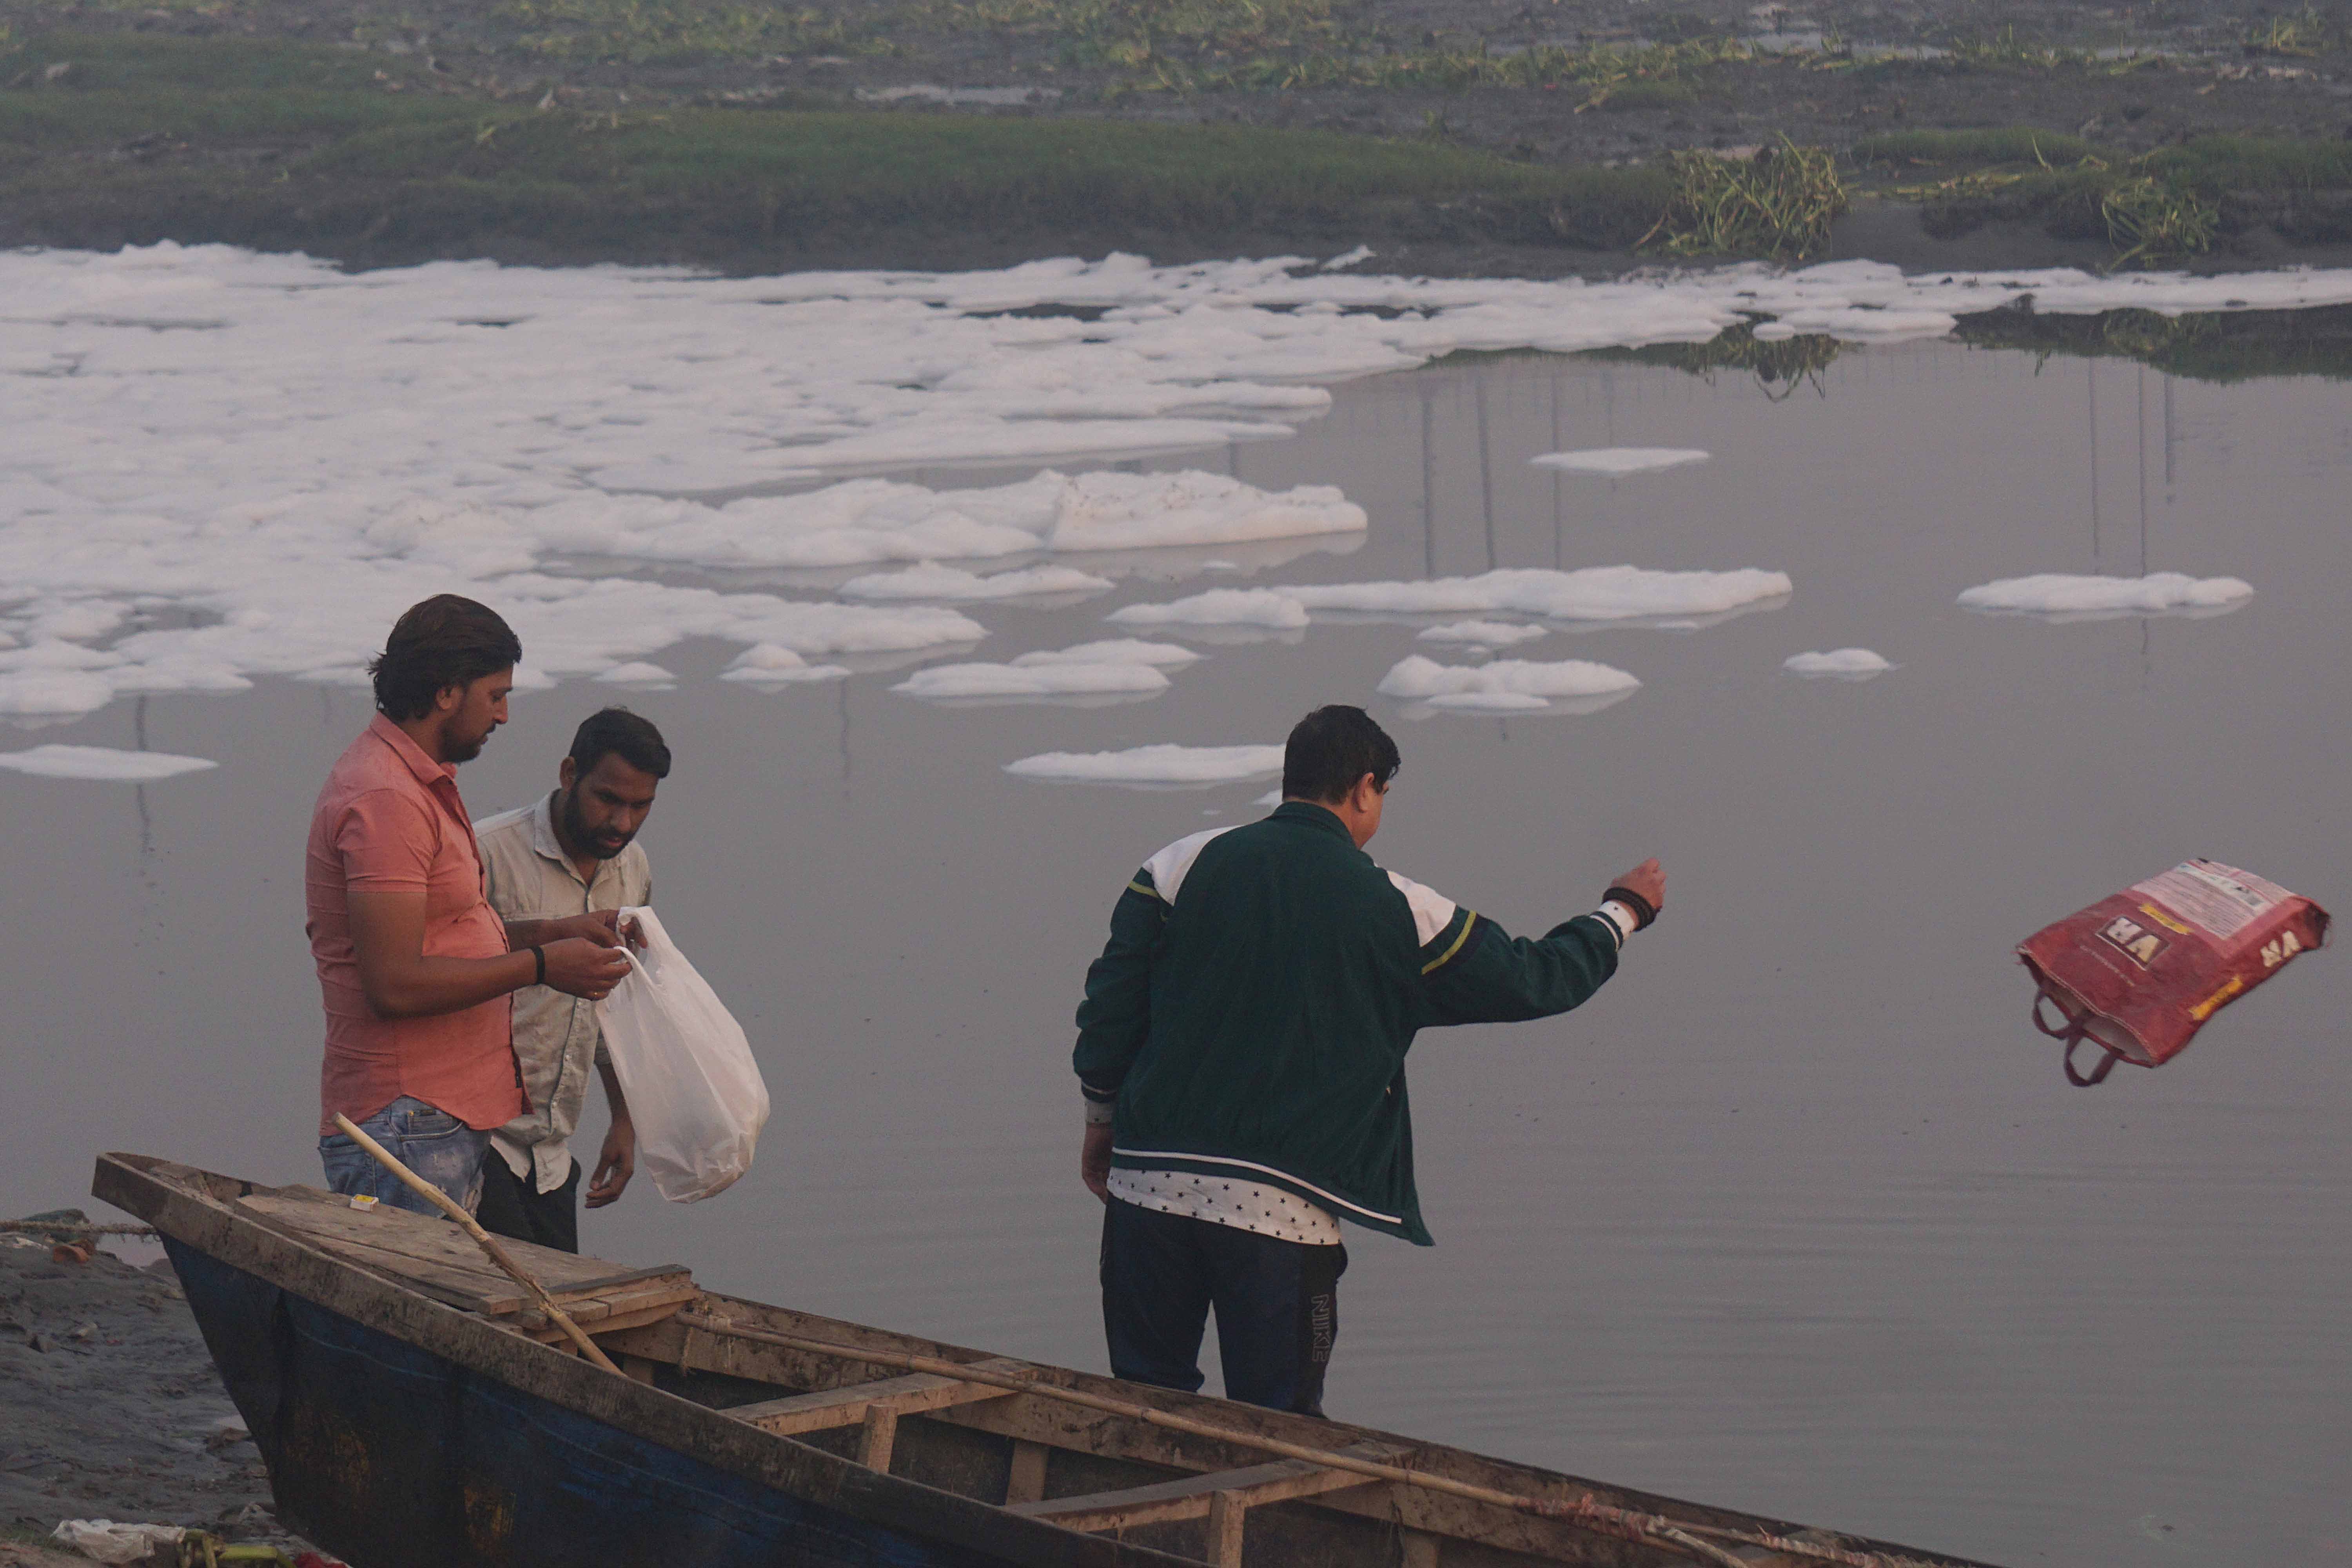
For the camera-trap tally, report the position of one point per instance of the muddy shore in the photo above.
(109, 1407)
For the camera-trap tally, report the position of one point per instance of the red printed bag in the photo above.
(2139, 973)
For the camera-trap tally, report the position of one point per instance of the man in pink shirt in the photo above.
(415, 967)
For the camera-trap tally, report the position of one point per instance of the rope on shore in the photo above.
(66, 1227)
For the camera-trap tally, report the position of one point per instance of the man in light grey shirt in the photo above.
(573, 852)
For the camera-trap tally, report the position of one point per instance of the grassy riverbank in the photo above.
(126, 138)
(346, 150)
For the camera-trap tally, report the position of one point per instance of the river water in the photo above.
(1796, 1215)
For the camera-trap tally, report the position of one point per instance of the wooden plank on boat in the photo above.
(602, 1312)
(442, 1262)
(849, 1406)
(1026, 1481)
(1409, 1509)
(549, 1334)
(467, 1288)
(1191, 1497)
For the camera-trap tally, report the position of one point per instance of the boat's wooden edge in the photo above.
(196, 1209)
(1067, 1427)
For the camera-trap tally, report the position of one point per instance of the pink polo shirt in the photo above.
(389, 820)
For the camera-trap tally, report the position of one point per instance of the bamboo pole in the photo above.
(1649, 1529)
(489, 1244)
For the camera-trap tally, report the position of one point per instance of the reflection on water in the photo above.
(1796, 1214)
(1780, 365)
(2224, 347)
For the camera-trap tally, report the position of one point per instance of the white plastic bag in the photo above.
(103, 1541)
(694, 1091)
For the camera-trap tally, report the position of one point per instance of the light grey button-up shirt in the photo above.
(556, 1036)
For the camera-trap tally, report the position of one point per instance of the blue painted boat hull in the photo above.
(392, 1457)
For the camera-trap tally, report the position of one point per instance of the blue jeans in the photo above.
(429, 1142)
(1277, 1306)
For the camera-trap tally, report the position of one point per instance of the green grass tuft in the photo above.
(2254, 164)
(1779, 203)
(2151, 220)
(2305, 32)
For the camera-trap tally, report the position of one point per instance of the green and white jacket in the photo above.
(1251, 1013)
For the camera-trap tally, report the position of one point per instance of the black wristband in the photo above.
(539, 958)
(1643, 911)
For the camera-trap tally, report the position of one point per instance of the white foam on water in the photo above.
(52, 693)
(1116, 650)
(875, 521)
(1595, 593)
(652, 677)
(1484, 634)
(1016, 682)
(223, 464)
(1507, 685)
(953, 585)
(1118, 669)
(1279, 610)
(106, 762)
(1488, 703)
(2059, 596)
(772, 664)
(1162, 766)
(1151, 512)
(1617, 461)
(1844, 664)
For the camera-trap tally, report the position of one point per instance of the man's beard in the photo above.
(462, 751)
(575, 831)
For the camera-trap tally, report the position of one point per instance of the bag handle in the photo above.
(2076, 1031)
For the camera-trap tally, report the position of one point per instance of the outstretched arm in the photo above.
(1477, 972)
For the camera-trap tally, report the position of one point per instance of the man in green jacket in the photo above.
(1240, 1050)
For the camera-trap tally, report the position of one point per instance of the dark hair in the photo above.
(1330, 748)
(445, 641)
(618, 732)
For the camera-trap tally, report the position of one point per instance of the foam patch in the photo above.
(1274, 609)
(1617, 461)
(106, 762)
(1844, 664)
(951, 583)
(2058, 596)
(1483, 634)
(1595, 594)
(1162, 767)
(771, 664)
(1507, 685)
(1014, 682)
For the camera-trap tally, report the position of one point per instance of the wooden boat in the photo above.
(416, 1410)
